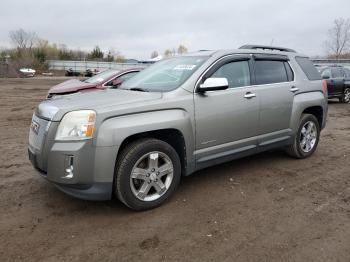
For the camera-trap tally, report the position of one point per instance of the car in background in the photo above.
(111, 78)
(338, 82)
(27, 72)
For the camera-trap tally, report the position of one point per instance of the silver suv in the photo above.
(178, 116)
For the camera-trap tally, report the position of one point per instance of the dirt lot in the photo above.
(267, 207)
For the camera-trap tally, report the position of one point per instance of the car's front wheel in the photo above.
(147, 173)
(307, 137)
(346, 96)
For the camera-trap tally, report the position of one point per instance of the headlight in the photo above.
(77, 125)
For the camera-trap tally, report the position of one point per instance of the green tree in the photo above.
(96, 54)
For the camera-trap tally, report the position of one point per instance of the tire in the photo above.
(346, 95)
(156, 170)
(300, 150)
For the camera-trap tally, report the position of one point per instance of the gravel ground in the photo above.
(267, 207)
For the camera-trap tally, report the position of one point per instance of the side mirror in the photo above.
(325, 76)
(116, 83)
(214, 84)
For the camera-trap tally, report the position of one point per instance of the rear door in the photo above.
(274, 80)
(327, 75)
(337, 80)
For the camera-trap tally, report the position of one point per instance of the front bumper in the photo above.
(77, 168)
(82, 185)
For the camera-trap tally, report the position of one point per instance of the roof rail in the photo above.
(265, 47)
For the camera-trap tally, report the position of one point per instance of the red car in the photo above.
(111, 78)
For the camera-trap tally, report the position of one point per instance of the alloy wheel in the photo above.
(308, 136)
(151, 176)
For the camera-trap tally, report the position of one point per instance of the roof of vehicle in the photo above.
(245, 50)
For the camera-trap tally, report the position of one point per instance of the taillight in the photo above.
(325, 87)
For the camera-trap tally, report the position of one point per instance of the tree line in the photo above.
(29, 50)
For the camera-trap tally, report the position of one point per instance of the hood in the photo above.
(113, 98)
(70, 86)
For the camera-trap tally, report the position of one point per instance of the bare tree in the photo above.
(182, 49)
(154, 54)
(23, 39)
(168, 53)
(338, 37)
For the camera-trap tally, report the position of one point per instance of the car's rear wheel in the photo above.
(346, 96)
(147, 173)
(307, 137)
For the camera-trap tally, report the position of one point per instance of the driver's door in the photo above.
(227, 121)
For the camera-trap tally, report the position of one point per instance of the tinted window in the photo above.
(308, 67)
(236, 73)
(268, 72)
(326, 73)
(289, 70)
(336, 73)
(347, 72)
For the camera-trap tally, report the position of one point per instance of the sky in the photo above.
(135, 28)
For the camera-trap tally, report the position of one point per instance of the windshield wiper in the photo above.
(138, 89)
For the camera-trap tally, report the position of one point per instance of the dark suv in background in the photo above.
(338, 81)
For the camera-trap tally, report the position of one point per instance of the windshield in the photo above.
(101, 76)
(165, 75)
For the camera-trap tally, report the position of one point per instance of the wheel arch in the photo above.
(316, 111)
(313, 103)
(173, 126)
(172, 136)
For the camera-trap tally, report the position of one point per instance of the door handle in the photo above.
(249, 95)
(294, 89)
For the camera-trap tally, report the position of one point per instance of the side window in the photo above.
(326, 73)
(336, 73)
(237, 73)
(347, 72)
(268, 72)
(122, 78)
(126, 76)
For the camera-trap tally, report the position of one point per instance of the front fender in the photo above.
(113, 131)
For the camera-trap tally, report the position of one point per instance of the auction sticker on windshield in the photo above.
(184, 67)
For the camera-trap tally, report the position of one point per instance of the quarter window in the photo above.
(308, 68)
(269, 72)
(289, 70)
(237, 73)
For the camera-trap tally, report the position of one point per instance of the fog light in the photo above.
(68, 167)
